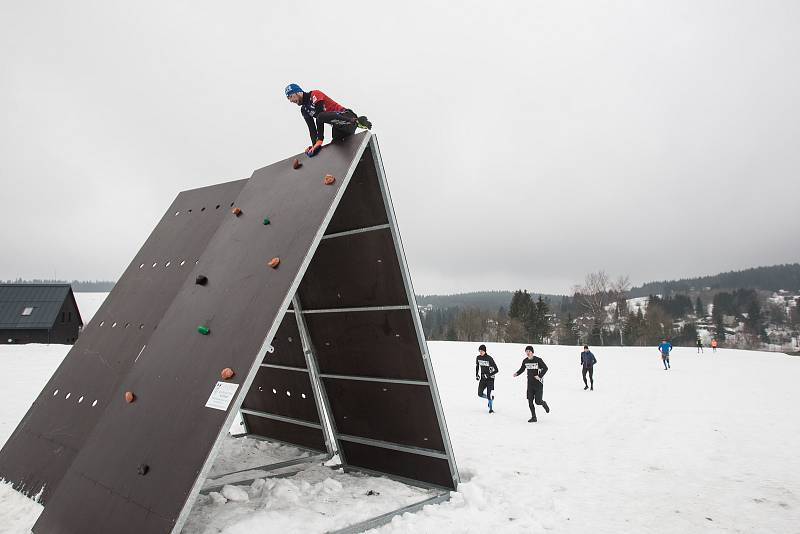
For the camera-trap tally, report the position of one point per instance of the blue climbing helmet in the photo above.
(292, 88)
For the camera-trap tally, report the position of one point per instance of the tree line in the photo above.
(599, 313)
(80, 286)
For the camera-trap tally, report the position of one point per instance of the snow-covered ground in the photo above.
(709, 446)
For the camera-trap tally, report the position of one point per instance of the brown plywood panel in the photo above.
(124, 517)
(305, 436)
(362, 204)
(169, 427)
(282, 392)
(65, 412)
(354, 271)
(397, 413)
(370, 343)
(434, 471)
(287, 344)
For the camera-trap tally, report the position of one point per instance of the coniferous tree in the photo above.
(520, 306)
(754, 322)
(719, 324)
(538, 324)
(699, 310)
(568, 336)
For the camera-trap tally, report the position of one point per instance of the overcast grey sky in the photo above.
(525, 143)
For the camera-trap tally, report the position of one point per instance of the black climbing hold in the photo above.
(201, 280)
(143, 469)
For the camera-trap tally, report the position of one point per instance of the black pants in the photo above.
(343, 123)
(488, 385)
(535, 390)
(588, 369)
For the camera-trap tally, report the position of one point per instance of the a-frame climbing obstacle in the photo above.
(285, 295)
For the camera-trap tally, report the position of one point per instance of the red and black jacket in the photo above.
(314, 103)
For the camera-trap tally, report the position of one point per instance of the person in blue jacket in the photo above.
(587, 363)
(664, 348)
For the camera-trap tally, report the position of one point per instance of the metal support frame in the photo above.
(360, 309)
(376, 379)
(323, 403)
(385, 518)
(393, 446)
(320, 457)
(284, 367)
(356, 231)
(412, 300)
(283, 418)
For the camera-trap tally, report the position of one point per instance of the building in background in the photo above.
(38, 313)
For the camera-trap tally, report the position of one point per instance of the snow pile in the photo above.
(236, 454)
(314, 501)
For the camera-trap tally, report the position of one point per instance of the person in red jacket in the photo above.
(317, 106)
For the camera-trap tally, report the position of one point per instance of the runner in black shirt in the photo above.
(485, 369)
(536, 370)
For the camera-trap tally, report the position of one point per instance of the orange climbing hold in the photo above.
(296, 164)
(236, 211)
(227, 373)
(129, 397)
(274, 262)
(329, 179)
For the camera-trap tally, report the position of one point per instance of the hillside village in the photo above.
(744, 318)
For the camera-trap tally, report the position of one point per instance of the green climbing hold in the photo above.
(266, 221)
(203, 330)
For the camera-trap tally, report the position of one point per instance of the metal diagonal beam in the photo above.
(269, 467)
(286, 367)
(280, 418)
(394, 446)
(360, 309)
(357, 231)
(376, 379)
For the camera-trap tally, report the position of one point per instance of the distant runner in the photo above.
(664, 348)
(536, 369)
(714, 345)
(317, 105)
(485, 364)
(699, 346)
(587, 363)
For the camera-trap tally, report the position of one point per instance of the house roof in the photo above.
(45, 299)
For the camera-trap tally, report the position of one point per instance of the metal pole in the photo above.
(323, 404)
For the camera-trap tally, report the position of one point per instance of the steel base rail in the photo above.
(397, 478)
(322, 457)
(385, 518)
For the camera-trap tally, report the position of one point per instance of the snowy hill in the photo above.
(708, 446)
